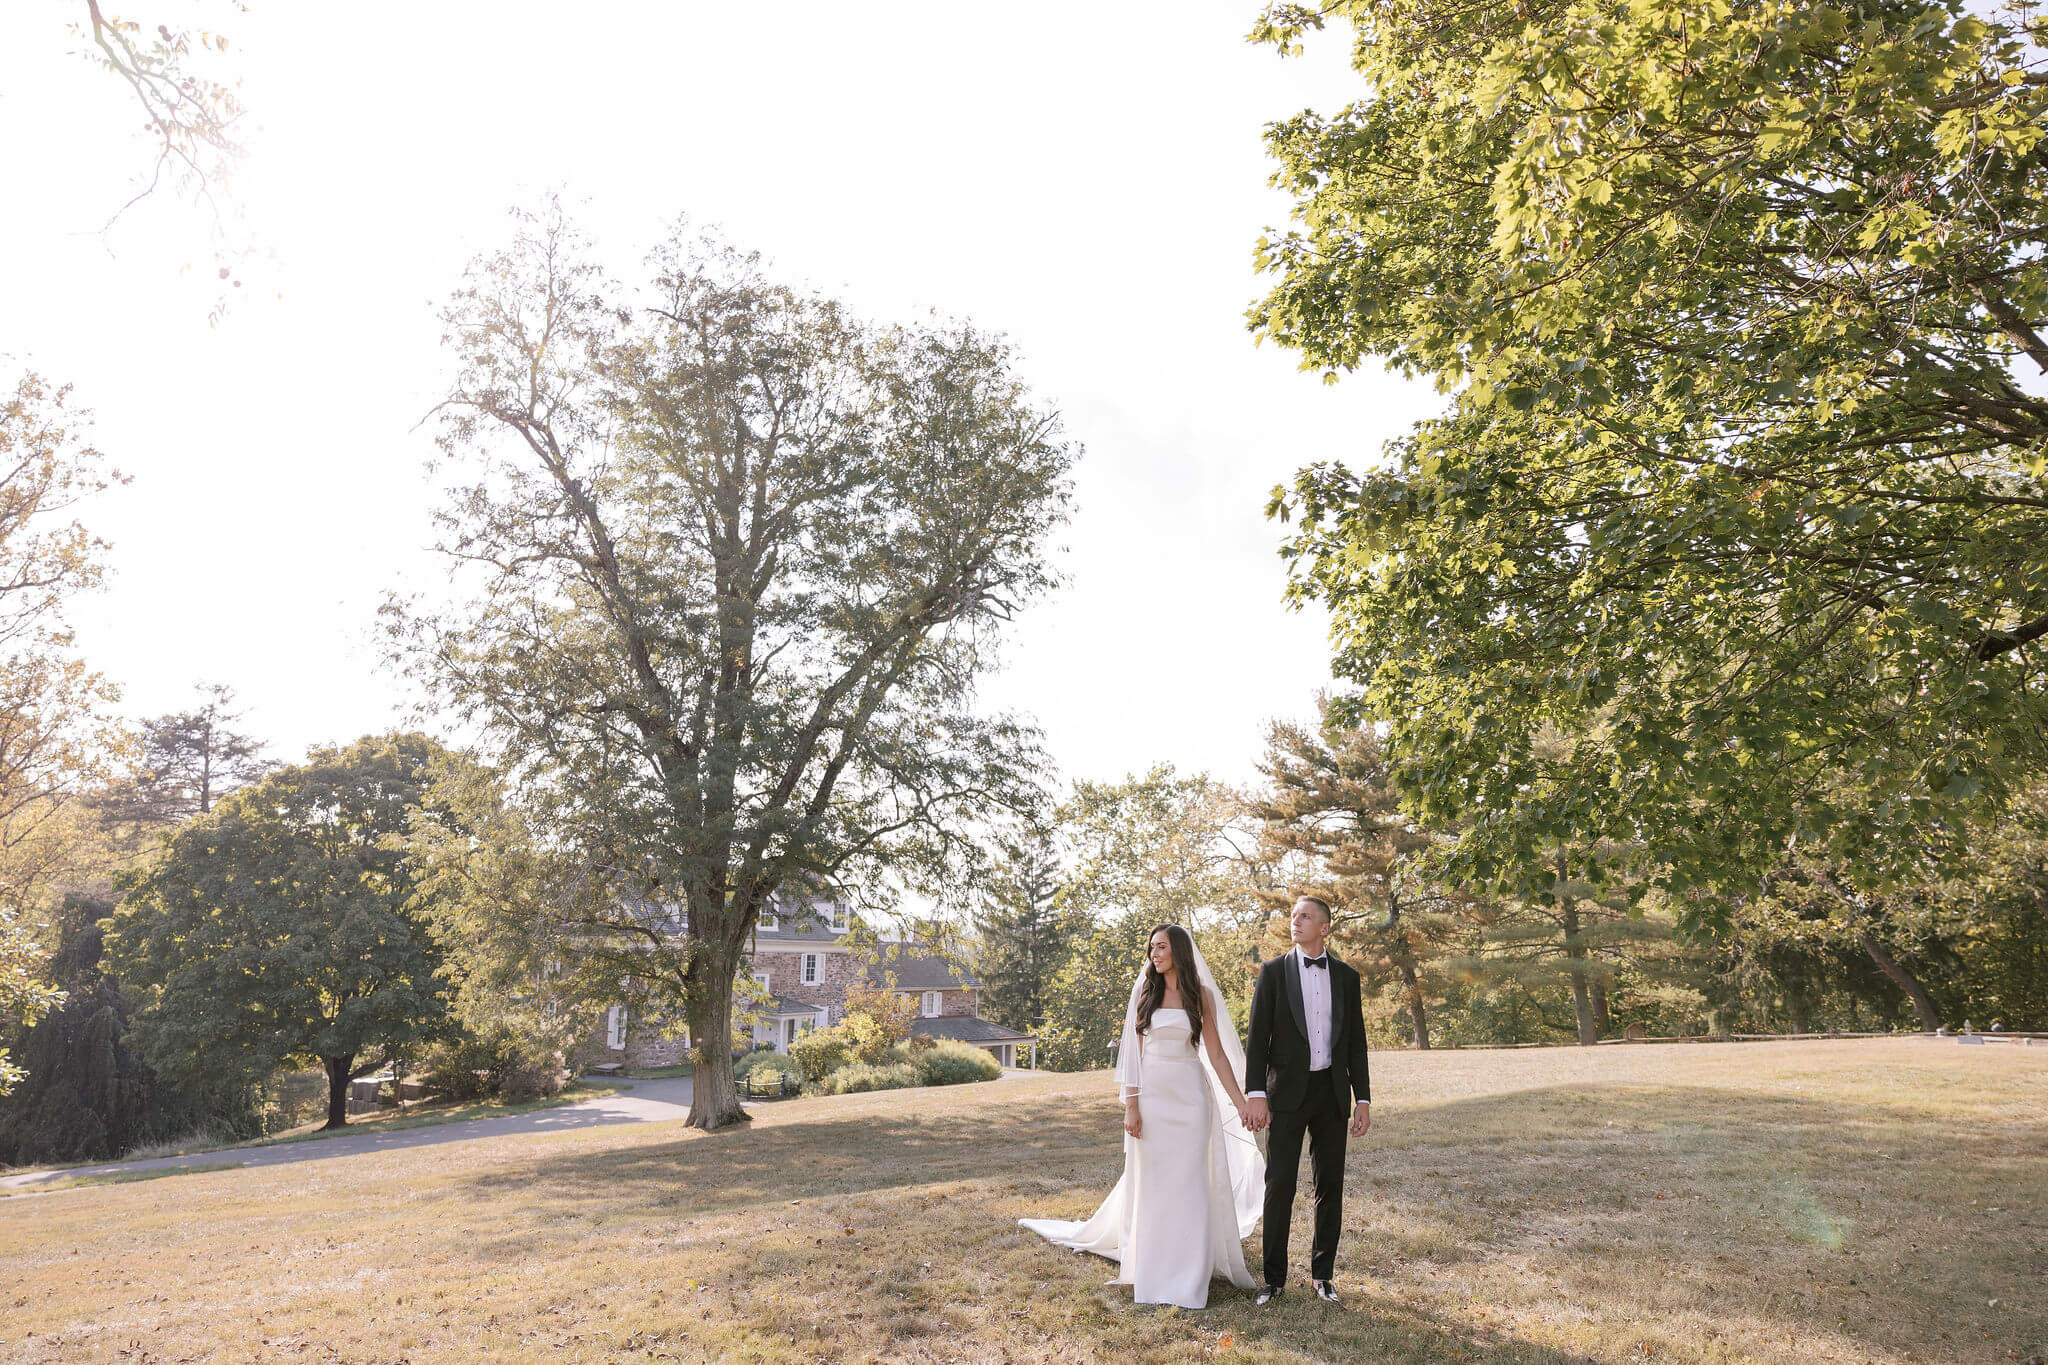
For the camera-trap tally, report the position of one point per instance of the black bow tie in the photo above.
(1323, 962)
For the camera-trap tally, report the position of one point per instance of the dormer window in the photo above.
(767, 918)
(841, 921)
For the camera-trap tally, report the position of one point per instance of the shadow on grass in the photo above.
(1661, 1217)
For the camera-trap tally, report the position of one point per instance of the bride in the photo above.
(1193, 1180)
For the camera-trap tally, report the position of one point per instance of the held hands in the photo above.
(1361, 1118)
(1255, 1115)
(1132, 1123)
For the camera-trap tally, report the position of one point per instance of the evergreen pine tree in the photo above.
(190, 760)
(1331, 804)
(1020, 941)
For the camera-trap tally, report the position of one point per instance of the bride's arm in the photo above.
(1212, 1044)
(1133, 1124)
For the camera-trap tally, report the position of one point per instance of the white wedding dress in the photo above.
(1193, 1181)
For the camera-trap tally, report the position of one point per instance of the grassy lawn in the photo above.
(1838, 1201)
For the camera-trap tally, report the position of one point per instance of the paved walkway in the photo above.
(638, 1102)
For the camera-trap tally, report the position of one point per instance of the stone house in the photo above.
(803, 965)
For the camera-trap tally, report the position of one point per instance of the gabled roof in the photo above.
(800, 919)
(968, 1030)
(916, 971)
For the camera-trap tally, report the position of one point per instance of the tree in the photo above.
(281, 927)
(874, 1019)
(55, 734)
(191, 117)
(1739, 480)
(88, 1094)
(1813, 942)
(191, 114)
(2001, 896)
(738, 559)
(54, 731)
(1017, 931)
(1575, 935)
(495, 902)
(1810, 903)
(1172, 847)
(1089, 993)
(189, 760)
(1154, 849)
(25, 990)
(1331, 801)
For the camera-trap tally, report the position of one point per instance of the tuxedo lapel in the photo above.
(1290, 969)
(1336, 1009)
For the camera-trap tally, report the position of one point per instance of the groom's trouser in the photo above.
(1322, 1120)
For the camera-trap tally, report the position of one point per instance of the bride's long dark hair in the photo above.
(1190, 981)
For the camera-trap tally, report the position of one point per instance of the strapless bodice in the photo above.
(1170, 1038)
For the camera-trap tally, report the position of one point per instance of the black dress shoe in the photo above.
(1269, 1293)
(1326, 1291)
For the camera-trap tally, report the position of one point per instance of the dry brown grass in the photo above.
(1871, 1201)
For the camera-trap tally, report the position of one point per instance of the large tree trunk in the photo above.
(337, 1089)
(1795, 1005)
(1575, 953)
(1603, 1023)
(1417, 1015)
(714, 1096)
(1923, 1003)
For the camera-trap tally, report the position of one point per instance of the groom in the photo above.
(1304, 1061)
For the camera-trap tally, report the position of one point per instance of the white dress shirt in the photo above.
(1315, 1003)
(1315, 1008)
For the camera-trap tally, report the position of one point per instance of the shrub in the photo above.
(769, 1078)
(493, 1063)
(868, 1039)
(531, 1076)
(950, 1062)
(465, 1068)
(820, 1053)
(875, 1020)
(755, 1060)
(854, 1079)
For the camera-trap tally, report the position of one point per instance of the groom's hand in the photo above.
(1256, 1114)
(1361, 1118)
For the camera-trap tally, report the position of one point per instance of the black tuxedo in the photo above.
(1304, 1103)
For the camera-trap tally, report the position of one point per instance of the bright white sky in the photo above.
(1088, 178)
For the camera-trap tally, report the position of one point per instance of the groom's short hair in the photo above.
(1319, 904)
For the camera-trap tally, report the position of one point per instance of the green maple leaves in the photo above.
(1738, 487)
